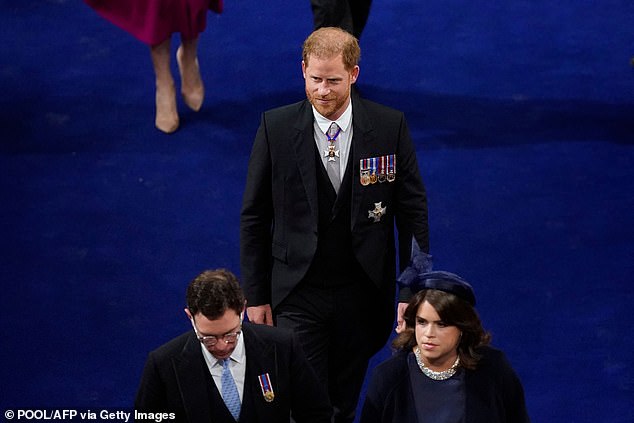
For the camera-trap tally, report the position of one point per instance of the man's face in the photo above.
(328, 85)
(228, 323)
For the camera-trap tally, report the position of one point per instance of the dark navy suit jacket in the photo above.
(176, 379)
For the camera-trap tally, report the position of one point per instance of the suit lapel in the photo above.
(346, 183)
(261, 358)
(304, 145)
(363, 143)
(190, 369)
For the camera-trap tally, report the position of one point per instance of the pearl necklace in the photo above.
(444, 375)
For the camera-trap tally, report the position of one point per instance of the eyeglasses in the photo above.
(211, 340)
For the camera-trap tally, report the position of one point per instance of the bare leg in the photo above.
(192, 87)
(166, 112)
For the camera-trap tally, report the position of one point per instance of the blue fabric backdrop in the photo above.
(523, 118)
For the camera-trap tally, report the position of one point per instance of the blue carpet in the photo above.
(523, 118)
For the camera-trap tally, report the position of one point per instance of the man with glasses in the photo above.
(227, 370)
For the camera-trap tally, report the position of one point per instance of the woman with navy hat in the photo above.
(444, 370)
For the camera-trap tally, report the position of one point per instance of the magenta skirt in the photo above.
(153, 21)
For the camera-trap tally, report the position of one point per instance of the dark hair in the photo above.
(213, 292)
(453, 311)
(329, 42)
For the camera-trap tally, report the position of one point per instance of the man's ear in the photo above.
(189, 314)
(354, 74)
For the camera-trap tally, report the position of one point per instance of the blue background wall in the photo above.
(523, 118)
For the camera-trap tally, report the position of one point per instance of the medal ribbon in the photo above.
(334, 138)
(265, 382)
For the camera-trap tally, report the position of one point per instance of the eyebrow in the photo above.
(234, 330)
(418, 318)
(331, 78)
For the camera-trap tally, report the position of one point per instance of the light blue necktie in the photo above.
(229, 390)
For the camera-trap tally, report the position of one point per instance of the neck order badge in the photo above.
(332, 167)
(332, 134)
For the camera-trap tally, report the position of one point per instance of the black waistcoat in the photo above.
(334, 263)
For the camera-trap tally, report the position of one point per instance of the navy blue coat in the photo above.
(494, 393)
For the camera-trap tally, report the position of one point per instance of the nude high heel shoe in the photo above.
(192, 87)
(166, 112)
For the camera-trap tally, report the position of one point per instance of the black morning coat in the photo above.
(279, 217)
(176, 379)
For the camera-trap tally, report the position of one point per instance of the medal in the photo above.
(267, 387)
(373, 177)
(377, 169)
(365, 172)
(365, 177)
(331, 153)
(391, 167)
(377, 213)
(382, 175)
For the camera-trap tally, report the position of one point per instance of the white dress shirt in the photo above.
(237, 365)
(344, 139)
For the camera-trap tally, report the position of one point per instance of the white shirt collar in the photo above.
(344, 120)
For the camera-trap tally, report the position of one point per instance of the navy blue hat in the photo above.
(418, 276)
(445, 281)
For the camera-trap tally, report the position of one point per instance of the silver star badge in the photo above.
(377, 213)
